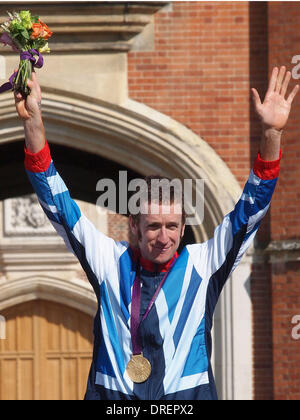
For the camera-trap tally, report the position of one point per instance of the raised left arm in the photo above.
(274, 112)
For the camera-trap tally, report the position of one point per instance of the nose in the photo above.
(163, 236)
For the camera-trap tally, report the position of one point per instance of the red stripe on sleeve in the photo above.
(266, 169)
(37, 162)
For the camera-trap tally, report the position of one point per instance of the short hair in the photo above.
(155, 188)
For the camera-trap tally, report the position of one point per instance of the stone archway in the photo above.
(75, 294)
(137, 136)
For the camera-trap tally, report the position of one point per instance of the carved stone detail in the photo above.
(23, 216)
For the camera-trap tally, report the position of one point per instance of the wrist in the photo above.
(34, 133)
(34, 115)
(270, 143)
(269, 131)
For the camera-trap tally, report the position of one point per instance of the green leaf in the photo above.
(25, 34)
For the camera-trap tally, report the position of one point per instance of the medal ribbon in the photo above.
(135, 307)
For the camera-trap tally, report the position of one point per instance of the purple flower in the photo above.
(6, 40)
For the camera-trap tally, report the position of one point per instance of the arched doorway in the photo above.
(47, 352)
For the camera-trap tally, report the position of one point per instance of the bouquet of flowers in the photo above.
(29, 36)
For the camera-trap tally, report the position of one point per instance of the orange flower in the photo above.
(40, 30)
(37, 31)
(47, 33)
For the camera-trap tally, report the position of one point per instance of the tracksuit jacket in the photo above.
(176, 335)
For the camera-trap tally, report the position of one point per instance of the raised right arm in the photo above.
(29, 111)
(95, 251)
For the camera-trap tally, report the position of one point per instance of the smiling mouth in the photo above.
(162, 249)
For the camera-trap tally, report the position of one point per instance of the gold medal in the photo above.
(138, 368)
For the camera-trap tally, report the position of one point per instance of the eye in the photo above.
(173, 226)
(153, 226)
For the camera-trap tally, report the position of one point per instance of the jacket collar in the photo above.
(149, 265)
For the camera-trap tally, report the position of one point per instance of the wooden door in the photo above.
(47, 352)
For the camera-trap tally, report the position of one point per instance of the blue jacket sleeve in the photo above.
(95, 251)
(216, 258)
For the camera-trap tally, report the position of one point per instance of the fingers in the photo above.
(277, 76)
(30, 84)
(20, 106)
(34, 87)
(272, 83)
(34, 80)
(279, 83)
(285, 83)
(293, 94)
(34, 77)
(18, 96)
(256, 98)
(280, 79)
(282, 83)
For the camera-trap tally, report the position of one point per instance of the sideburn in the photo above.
(134, 239)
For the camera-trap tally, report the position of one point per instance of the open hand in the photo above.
(275, 109)
(29, 107)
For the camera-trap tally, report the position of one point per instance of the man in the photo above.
(152, 328)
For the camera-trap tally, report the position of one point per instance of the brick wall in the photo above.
(261, 277)
(117, 227)
(198, 74)
(284, 43)
(286, 350)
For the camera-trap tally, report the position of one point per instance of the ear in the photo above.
(133, 226)
(182, 231)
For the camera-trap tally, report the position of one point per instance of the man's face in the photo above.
(159, 234)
